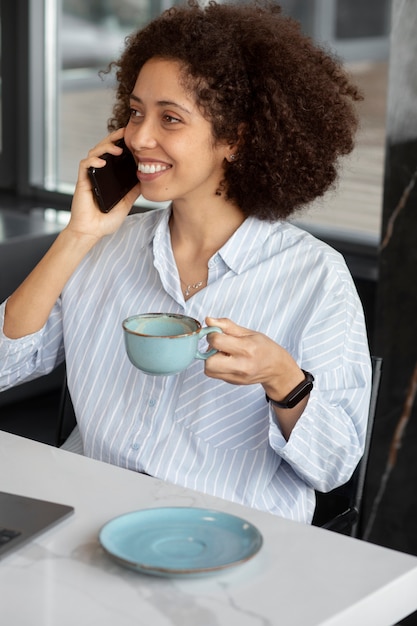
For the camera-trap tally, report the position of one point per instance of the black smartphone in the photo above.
(112, 182)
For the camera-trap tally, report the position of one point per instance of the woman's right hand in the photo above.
(86, 217)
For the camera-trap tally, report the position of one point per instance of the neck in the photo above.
(196, 235)
(200, 233)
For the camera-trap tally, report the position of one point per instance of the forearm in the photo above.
(31, 356)
(28, 308)
(278, 387)
(287, 418)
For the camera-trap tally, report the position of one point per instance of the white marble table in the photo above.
(303, 576)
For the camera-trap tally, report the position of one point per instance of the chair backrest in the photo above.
(341, 509)
(66, 416)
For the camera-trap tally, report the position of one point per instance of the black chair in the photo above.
(66, 416)
(340, 510)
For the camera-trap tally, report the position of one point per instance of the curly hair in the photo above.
(287, 103)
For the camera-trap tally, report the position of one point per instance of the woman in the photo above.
(239, 120)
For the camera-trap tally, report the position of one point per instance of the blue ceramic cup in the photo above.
(164, 343)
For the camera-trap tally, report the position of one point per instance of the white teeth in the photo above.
(151, 168)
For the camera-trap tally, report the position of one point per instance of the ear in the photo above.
(233, 150)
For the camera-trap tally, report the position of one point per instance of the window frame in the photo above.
(14, 81)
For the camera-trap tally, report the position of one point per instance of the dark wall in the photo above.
(391, 494)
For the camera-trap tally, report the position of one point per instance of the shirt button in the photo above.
(135, 446)
(152, 403)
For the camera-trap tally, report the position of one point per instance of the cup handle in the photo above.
(203, 332)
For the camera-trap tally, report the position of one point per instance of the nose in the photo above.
(143, 135)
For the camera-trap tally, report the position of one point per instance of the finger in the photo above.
(108, 145)
(94, 158)
(228, 344)
(228, 368)
(126, 203)
(228, 327)
(133, 194)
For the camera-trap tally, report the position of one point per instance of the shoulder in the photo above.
(308, 246)
(283, 237)
(141, 226)
(291, 249)
(312, 264)
(112, 252)
(137, 229)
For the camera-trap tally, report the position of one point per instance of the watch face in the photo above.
(297, 395)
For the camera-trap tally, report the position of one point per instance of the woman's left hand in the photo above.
(247, 357)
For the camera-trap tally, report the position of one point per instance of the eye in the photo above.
(170, 119)
(135, 114)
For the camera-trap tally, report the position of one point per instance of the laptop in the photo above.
(22, 519)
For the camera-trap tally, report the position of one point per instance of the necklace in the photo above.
(193, 286)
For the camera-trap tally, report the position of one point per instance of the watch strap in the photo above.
(296, 395)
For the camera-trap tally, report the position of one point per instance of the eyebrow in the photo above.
(162, 103)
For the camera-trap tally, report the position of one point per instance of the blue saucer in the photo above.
(179, 541)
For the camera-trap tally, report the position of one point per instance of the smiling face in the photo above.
(170, 139)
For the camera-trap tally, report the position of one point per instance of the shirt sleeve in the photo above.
(327, 442)
(32, 356)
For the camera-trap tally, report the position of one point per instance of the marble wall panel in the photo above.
(391, 492)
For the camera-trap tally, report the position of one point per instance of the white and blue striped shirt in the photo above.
(190, 429)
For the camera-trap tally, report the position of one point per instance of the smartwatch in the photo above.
(296, 395)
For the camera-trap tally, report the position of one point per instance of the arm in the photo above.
(28, 308)
(327, 437)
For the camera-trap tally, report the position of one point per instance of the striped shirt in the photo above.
(190, 429)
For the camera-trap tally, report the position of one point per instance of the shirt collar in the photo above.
(243, 248)
(241, 251)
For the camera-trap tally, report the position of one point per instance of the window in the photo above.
(359, 34)
(70, 103)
